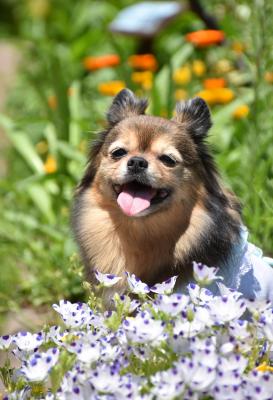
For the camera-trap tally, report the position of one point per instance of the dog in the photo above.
(151, 199)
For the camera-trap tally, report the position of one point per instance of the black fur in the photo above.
(195, 115)
(125, 105)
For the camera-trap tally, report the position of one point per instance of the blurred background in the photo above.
(61, 63)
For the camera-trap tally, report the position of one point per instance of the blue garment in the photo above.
(248, 271)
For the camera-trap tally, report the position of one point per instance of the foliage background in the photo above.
(55, 108)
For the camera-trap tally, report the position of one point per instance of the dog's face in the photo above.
(144, 164)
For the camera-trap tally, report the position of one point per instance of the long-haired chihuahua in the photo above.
(151, 201)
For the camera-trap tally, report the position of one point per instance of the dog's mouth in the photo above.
(134, 197)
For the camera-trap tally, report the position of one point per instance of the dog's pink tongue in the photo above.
(133, 201)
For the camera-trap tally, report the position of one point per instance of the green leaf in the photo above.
(51, 137)
(182, 55)
(70, 152)
(42, 200)
(25, 148)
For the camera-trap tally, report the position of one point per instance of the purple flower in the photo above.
(106, 280)
(165, 287)
(136, 285)
(205, 275)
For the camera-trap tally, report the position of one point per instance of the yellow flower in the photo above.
(111, 88)
(241, 111)
(238, 47)
(217, 95)
(264, 368)
(180, 94)
(182, 75)
(198, 68)
(207, 95)
(268, 76)
(39, 8)
(42, 147)
(70, 91)
(145, 79)
(83, 146)
(69, 337)
(223, 66)
(52, 102)
(50, 166)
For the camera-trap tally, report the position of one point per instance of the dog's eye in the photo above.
(118, 153)
(167, 160)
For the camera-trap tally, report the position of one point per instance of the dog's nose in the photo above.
(137, 164)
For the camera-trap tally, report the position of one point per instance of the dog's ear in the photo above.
(124, 105)
(194, 115)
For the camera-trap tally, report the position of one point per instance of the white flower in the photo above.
(74, 314)
(199, 295)
(136, 285)
(5, 341)
(26, 341)
(143, 328)
(167, 384)
(188, 327)
(107, 280)
(130, 304)
(205, 275)
(39, 365)
(172, 304)
(266, 323)
(225, 291)
(86, 352)
(260, 385)
(232, 363)
(226, 308)
(239, 329)
(258, 306)
(197, 376)
(165, 287)
(204, 352)
(227, 392)
(226, 348)
(105, 379)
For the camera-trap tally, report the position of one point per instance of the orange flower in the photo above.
(143, 62)
(99, 62)
(52, 102)
(241, 111)
(206, 37)
(213, 83)
(268, 76)
(50, 166)
(111, 88)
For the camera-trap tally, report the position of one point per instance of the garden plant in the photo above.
(156, 344)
